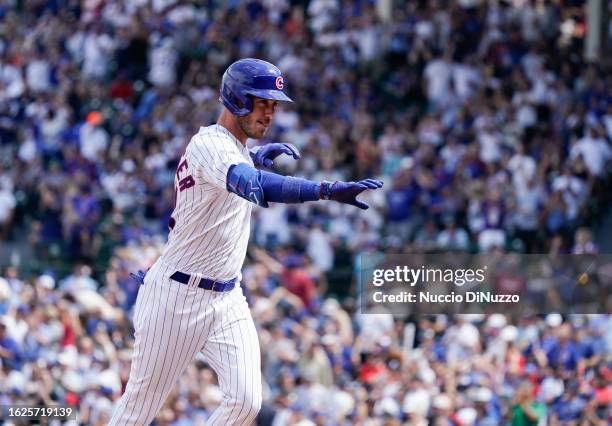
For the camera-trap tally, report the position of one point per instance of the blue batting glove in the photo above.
(347, 192)
(265, 155)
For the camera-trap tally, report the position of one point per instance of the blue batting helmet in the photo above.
(252, 77)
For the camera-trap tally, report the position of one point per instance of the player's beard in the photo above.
(251, 128)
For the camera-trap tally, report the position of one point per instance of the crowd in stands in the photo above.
(489, 129)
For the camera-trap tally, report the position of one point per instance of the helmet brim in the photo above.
(275, 95)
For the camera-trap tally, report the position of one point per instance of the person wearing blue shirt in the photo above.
(564, 352)
(569, 407)
(400, 201)
(10, 353)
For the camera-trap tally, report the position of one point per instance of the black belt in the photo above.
(205, 283)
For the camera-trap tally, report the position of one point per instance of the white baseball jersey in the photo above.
(174, 321)
(210, 226)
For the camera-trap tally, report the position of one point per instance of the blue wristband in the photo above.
(326, 189)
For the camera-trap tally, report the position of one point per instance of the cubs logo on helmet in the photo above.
(280, 83)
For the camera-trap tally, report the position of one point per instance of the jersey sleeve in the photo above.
(213, 158)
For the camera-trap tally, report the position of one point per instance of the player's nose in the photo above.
(269, 116)
(270, 109)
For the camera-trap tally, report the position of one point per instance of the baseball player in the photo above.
(191, 300)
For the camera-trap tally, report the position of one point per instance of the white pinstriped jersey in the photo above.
(210, 226)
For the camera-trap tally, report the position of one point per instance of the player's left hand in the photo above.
(347, 192)
(266, 154)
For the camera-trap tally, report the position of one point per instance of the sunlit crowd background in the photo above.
(488, 127)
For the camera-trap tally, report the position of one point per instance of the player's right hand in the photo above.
(347, 192)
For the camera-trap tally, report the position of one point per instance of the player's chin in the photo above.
(258, 133)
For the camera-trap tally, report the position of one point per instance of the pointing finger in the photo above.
(370, 183)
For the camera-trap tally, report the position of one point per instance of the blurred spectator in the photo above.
(584, 242)
(453, 238)
(492, 218)
(7, 207)
(526, 411)
(595, 151)
(10, 352)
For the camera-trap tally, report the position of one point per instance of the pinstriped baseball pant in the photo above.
(172, 323)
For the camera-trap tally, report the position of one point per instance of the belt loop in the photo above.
(194, 280)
